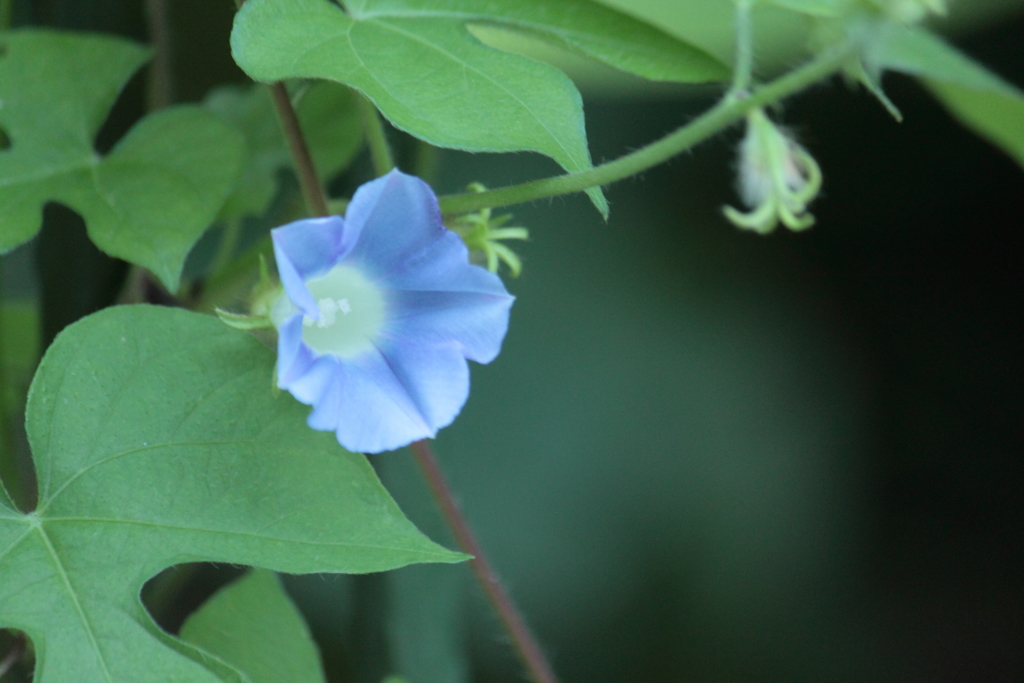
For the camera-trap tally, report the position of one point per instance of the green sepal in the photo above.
(483, 233)
(240, 321)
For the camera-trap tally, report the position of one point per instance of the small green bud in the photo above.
(483, 235)
(777, 178)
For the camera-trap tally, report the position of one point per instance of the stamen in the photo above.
(351, 313)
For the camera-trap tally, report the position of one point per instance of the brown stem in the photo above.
(523, 639)
(312, 190)
(161, 87)
(13, 655)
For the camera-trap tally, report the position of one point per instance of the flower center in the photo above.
(351, 313)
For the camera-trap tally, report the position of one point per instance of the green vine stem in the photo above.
(376, 137)
(425, 161)
(743, 69)
(728, 111)
(228, 244)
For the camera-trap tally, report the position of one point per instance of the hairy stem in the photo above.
(727, 112)
(312, 190)
(526, 645)
(161, 85)
(376, 138)
(743, 69)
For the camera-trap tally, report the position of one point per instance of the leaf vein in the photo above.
(253, 534)
(86, 624)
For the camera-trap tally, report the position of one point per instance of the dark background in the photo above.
(706, 455)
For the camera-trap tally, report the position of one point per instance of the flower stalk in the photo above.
(743, 69)
(727, 112)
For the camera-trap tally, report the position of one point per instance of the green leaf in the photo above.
(157, 441)
(253, 625)
(997, 117)
(151, 198)
(981, 100)
(817, 8)
(587, 28)
(915, 51)
(420, 66)
(330, 123)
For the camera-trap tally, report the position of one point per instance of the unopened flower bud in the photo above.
(777, 178)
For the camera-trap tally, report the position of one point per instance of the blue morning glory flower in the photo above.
(380, 312)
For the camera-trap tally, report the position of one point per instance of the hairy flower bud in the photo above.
(777, 178)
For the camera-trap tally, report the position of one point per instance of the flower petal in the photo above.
(314, 381)
(308, 248)
(434, 377)
(397, 216)
(294, 358)
(443, 266)
(373, 410)
(476, 322)
(439, 311)
(437, 296)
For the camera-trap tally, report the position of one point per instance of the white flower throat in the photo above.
(329, 309)
(351, 313)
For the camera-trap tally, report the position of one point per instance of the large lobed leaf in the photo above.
(151, 198)
(418, 63)
(157, 441)
(980, 99)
